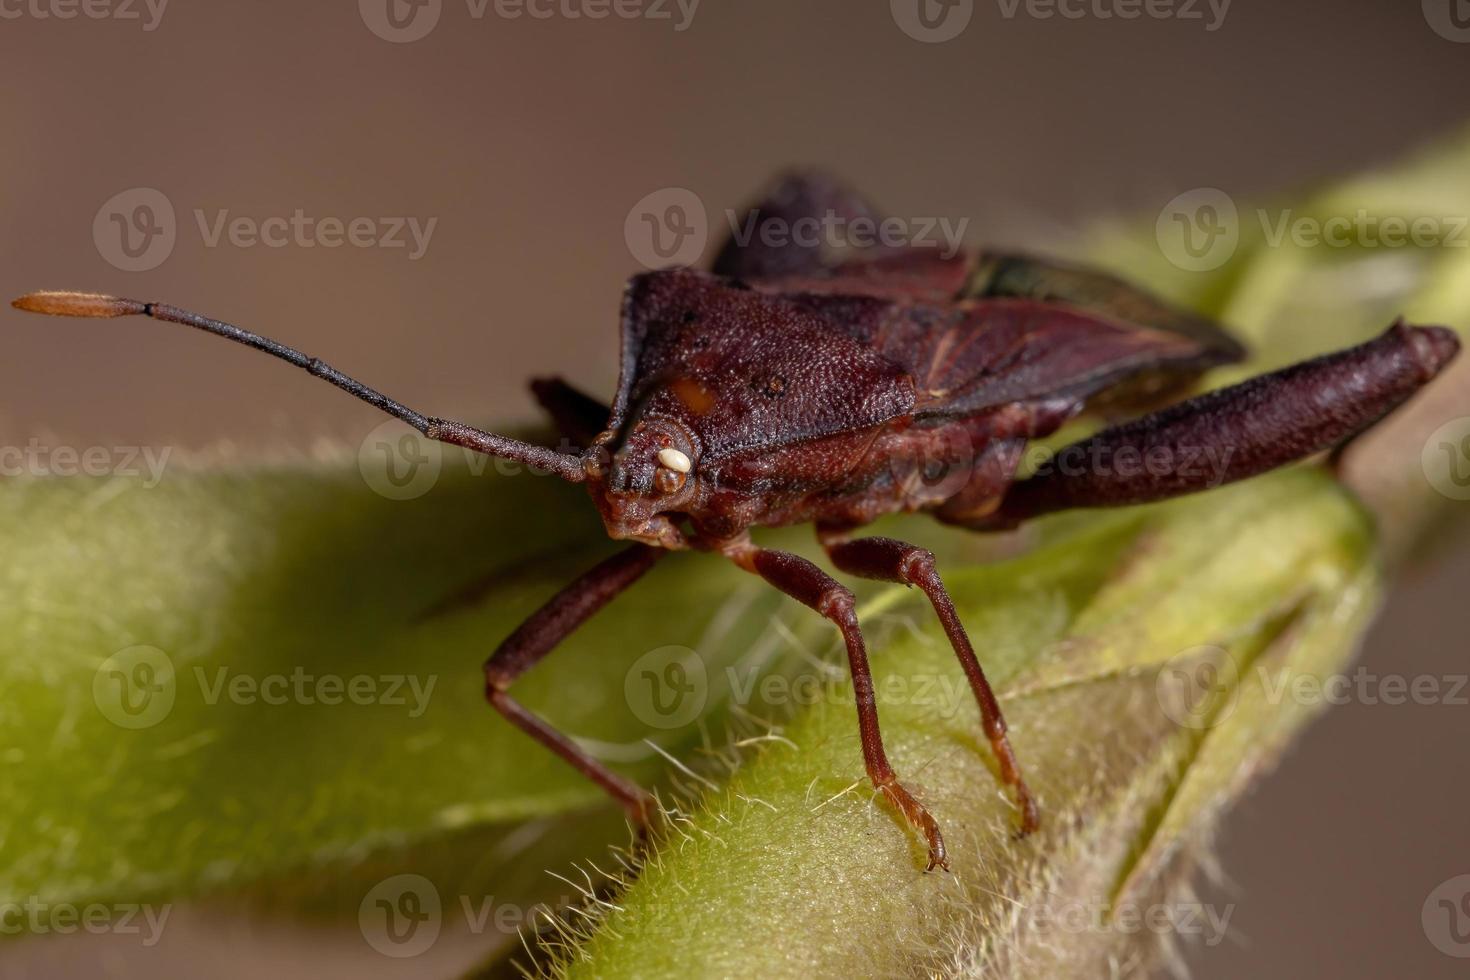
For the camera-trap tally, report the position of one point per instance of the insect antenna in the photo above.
(564, 465)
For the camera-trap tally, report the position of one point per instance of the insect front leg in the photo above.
(577, 416)
(813, 587)
(887, 560)
(539, 635)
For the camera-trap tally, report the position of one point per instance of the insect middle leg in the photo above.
(813, 587)
(539, 635)
(887, 560)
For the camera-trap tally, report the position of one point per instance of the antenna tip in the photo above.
(55, 303)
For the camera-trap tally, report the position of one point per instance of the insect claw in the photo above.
(1030, 813)
(640, 815)
(921, 820)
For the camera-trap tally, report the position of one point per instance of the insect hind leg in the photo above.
(1233, 433)
(888, 560)
(813, 587)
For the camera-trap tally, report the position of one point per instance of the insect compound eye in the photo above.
(667, 481)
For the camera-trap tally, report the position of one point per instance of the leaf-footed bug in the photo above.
(794, 385)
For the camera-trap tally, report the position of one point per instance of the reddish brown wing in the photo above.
(997, 275)
(1053, 328)
(973, 355)
(922, 275)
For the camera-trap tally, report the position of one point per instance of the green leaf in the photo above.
(230, 675)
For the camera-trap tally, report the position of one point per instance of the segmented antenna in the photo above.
(97, 305)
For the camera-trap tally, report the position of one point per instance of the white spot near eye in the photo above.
(674, 460)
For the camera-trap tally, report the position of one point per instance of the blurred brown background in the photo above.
(527, 141)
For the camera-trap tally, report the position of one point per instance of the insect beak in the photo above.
(625, 523)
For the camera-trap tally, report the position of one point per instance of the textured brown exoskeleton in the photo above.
(793, 386)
